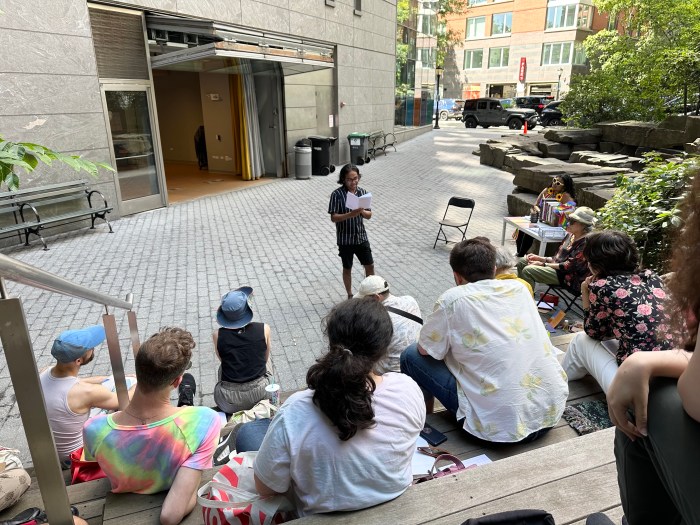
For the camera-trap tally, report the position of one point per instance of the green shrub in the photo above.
(645, 207)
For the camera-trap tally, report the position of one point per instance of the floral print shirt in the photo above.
(629, 308)
(574, 267)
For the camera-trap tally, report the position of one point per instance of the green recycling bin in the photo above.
(359, 148)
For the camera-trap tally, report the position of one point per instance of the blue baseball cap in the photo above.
(235, 312)
(72, 344)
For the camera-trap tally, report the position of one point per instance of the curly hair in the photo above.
(163, 357)
(685, 265)
(359, 332)
(568, 184)
(611, 252)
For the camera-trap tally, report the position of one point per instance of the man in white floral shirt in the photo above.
(485, 354)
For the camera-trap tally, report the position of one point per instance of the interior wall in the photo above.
(310, 100)
(216, 110)
(179, 106)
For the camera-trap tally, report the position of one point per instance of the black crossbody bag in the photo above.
(405, 314)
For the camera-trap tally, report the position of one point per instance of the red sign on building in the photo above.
(523, 69)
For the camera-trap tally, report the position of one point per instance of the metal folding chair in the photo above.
(567, 296)
(456, 219)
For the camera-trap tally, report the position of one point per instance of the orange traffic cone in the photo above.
(525, 128)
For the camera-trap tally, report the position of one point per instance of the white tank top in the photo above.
(66, 425)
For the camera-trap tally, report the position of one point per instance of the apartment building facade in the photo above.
(514, 48)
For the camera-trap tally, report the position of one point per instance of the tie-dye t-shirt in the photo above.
(145, 458)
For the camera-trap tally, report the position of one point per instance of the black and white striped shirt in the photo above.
(352, 230)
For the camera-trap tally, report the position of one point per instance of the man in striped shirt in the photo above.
(350, 229)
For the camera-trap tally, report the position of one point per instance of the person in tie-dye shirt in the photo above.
(151, 445)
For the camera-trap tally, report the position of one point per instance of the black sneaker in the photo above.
(187, 390)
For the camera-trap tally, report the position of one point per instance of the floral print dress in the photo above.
(629, 308)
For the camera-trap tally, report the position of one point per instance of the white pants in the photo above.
(586, 355)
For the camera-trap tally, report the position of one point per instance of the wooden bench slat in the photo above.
(485, 484)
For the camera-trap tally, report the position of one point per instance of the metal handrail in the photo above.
(17, 347)
(23, 273)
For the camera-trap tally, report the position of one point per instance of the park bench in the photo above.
(379, 141)
(29, 211)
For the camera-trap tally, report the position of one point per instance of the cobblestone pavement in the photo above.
(277, 238)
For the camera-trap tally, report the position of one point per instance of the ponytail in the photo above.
(359, 332)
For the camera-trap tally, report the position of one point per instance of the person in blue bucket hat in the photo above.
(243, 347)
(69, 400)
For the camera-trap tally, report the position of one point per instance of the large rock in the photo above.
(607, 159)
(692, 128)
(555, 150)
(519, 204)
(634, 133)
(527, 144)
(574, 136)
(693, 147)
(586, 147)
(595, 197)
(609, 147)
(536, 178)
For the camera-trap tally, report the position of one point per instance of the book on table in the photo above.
(353, 202)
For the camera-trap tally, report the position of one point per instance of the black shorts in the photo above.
(348, 251)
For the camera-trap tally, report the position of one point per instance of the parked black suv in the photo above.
(487, 112)
(533, 102)
(551, 115)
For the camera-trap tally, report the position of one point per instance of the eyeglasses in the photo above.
(557, 181)
(354, 179)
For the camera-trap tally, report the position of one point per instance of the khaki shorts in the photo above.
(233, 397)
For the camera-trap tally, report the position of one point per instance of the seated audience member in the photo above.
(624, 310)
(151, 445)
(485, 354)
(505, 266)
(405, 329)
(347, 442)
(561, 189)
(568, 267)
(69, 399)
(243, 347)
(658, 420)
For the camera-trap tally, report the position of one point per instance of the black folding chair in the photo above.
(567, 296)
(456, 218)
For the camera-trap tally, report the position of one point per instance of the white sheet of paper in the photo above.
(353, 202)
(421, 463)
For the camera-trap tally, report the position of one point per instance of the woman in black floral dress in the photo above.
(624, 310)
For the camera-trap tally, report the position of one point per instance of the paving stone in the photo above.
(278, 238)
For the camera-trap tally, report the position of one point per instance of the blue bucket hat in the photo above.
(72, 344)
(235, 312)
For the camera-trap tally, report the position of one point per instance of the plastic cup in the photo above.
(273, 392)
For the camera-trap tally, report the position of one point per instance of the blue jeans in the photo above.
(432, 375)
(250, 436)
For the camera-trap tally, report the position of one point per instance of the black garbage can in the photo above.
(359, 148)
(302, 159)
(321, 155)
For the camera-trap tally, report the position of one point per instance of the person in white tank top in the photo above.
(69, 399)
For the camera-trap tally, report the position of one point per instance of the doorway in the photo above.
(130, 113)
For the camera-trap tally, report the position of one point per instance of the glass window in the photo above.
(495, 105)
(498, 56)
(561, 16)
(557, 53)
(481, 104)
(585, 16)
(473, 59)
(501, 23)
(476, 27)
(476, 2)
(579, 54)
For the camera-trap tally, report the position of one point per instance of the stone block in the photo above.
(692, 128)
(609, 147)
(634, 133)
(693, 147)
(486, 154)
(519, 204)
(523, 161)
(677, 122)
(574, 136)
(556, 150)
(607, 159)
(536, 178)
(525, 143)
(595, 197)
(585, 147)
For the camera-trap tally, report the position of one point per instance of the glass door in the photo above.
(134, 148)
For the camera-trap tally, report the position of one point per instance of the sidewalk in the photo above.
(277, 238)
